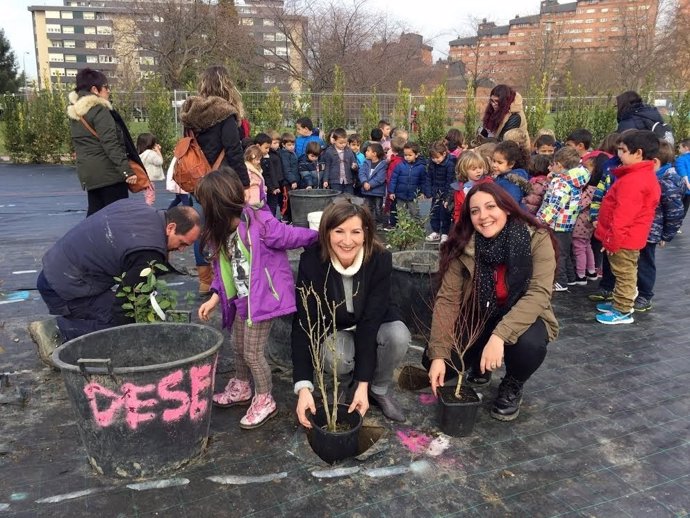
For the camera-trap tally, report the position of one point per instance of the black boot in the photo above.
(475, 377)
(507, 404)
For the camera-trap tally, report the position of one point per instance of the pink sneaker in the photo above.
(237, 392)
(263, 407)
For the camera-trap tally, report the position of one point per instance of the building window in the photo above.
(89, 16)
(70, 58)
(57, 71)
(92, 59)
(53, 28)
(605, 10)
(102, 16)
(247, 21)
(269, 78)
(268, 23)
(56, 44)
(269, 65)
(146, 60)
(66, 15)
(105, 45)
(280, 36)
(269, 37)
(281, 51)
(71, 72)
(69, 44)
(53, 14)
(55, 58)
(268, 52)
(106, 59)
(90, 44)
(104, 30)
(89, 30)
(67, 29)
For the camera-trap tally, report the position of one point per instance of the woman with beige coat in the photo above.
(508, 259)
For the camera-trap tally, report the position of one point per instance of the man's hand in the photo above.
(360, 400)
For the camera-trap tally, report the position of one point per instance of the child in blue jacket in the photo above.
(440, 174)
(310, 167)
(407, 182)
(372, 176)
(508, 167)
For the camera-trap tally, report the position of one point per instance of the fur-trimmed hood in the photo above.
(200, 113)
(516, 106)
(81, 103)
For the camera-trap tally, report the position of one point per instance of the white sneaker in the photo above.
(444, 238)
(559, 287)
(434, 236)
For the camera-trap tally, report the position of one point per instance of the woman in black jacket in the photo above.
(214, 117)
(351, 268)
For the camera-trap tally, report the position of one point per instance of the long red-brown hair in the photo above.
(494, 116)
(462, 232)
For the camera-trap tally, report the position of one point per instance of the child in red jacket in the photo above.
(625, 218)
(470, 169)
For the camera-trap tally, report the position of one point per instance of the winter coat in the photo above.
(214, 122)
(639, 116)
(603, 186)
(331, 158)
(561, 204)
(84, 262)
(458, 282)
(376, 178)
(309, 173)
(372, 301)
(583, 225)
(533, 200)
(101, 161)
(271, 284)
(515, 118)
(439, 177)
(272, 167)
(683, 169)
(407, 181)
(301, 144)
(153, 163)
(515, 183)
(627, 210)
(459, 191)
(669, 214)
(289, 162)
(256, 192)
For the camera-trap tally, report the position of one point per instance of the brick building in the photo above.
(560, 33)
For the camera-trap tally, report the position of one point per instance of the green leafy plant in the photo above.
(432, 117)
(602, 120)
(271, 112)
(149, 300)
(471, 113)
(334, 103)
(573, 111)
(302, 104)
(408, 231)
(371, 114)
(680, 118)
(161, 115)
(403, 106)
(537, 104)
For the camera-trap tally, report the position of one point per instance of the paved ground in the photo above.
(603, 431)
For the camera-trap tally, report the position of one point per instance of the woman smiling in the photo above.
(509, 259)
(350, 268)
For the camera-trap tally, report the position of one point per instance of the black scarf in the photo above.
(512, 247)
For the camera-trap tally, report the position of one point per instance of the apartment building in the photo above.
(561, 31)
(98, 34)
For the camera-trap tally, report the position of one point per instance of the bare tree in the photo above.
(479, 67)
(185, 37)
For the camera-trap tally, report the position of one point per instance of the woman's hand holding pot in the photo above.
(305, 401)
(360, 400)
(437, 373)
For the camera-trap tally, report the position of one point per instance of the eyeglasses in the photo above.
(354, 200)
(493, 101)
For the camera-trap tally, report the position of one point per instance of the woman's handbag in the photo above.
(143, 181)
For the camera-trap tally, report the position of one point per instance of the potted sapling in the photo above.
(334, 435)
(459, 404)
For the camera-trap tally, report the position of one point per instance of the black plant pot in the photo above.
(457, 416)
(332, 447)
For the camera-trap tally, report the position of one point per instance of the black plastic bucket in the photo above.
(415, 280)
(332, 447)
(304, 201)
(141, 394)
(457, 416)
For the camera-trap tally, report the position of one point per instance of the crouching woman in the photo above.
(351, 269)
(509, 258)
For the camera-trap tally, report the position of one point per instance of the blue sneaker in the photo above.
(615, 317)
(605, 307)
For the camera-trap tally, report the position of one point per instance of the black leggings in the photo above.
(522, 358)
(99, 198)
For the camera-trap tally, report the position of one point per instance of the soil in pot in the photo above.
(457, 415)
(335, 446)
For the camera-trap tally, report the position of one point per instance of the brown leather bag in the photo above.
(191, 164)
(143, 181)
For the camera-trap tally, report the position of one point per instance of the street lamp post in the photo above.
(26, 53)
(548, 29)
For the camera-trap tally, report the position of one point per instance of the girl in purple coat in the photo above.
(253, 284)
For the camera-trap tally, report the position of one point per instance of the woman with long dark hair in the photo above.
(633, 113)
(509, 259)
(504, 112)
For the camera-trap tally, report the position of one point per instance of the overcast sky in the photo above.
(439, 21)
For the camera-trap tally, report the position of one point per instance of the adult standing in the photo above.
(102, 162)
(79, 269)
(504, 112)
(350, 268)
(214, 116)
(632, 113)
(509, 259)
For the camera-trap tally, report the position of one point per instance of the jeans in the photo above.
(646, 271)
(80, 316)
(375, 204)
(624, 267)
(440, 217)
(275, 203)
(522, 359)
(565, 271)
(184, 199)
(393, 339)
(198, 256)
(343, 188)
(99, 198)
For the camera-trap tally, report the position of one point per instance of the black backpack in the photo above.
(660, 129)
